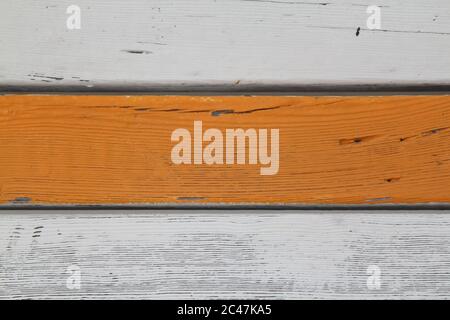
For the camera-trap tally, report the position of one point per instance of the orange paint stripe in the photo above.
(117, 150)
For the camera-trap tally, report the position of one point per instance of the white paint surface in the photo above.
(233, 44)
(224, 254)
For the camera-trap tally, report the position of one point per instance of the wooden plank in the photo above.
(224, 254)
(118, 150)
(223, 45)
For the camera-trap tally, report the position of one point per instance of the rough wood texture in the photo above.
(222, 45)
(225, 46)
(117, 150)
(251, 254)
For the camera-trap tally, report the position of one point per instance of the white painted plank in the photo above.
(163, 45)
(238, 254)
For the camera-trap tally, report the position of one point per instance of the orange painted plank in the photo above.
(118, 150)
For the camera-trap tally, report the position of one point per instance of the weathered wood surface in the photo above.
(222, 45)
(238, 254)
(117, 150)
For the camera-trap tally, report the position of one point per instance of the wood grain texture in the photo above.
(117, 150)
(222, 45)
(223, 254)
(225, 46)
